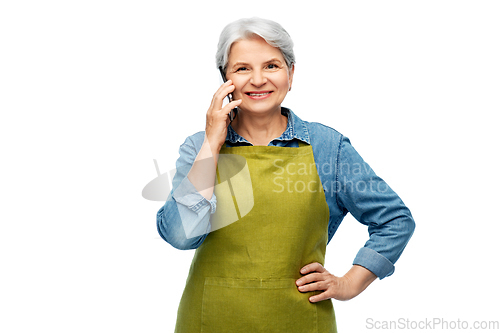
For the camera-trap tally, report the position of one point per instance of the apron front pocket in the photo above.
(256, 305)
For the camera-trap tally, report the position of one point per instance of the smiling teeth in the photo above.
(250, 94)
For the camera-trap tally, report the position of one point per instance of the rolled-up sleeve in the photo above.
(373, 203)
(184, 220)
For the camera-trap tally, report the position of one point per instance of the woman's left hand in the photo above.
(317, 278)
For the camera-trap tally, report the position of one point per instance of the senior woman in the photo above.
(260, 196)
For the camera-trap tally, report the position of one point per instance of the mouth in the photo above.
(258, 94)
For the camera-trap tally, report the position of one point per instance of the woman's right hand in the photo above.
(202, 173)
(218, 117)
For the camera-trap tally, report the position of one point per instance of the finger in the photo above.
(218, 92)
(312, 267)
(311, 277)
(320, 297)
(229, 106)
(313, 287)
(222, 93)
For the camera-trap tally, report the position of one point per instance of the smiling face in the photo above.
(260, 75)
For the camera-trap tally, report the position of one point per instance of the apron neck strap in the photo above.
(302, 144)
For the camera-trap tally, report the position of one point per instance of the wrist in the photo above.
(210, 149)
(358, 278)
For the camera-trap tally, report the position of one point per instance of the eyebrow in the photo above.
(240, 63)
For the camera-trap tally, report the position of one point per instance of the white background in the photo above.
(92, 91)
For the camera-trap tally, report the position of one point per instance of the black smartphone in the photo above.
(234, 111)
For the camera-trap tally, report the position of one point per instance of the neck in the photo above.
(260, 129)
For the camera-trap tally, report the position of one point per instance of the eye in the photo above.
(241, 69)
(273, 67)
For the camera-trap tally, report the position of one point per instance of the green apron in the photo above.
(242, 278)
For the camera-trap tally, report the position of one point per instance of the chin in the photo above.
(259, 108)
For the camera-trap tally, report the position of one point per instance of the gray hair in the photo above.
(272, 32)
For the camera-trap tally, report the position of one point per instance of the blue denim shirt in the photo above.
(349, 184)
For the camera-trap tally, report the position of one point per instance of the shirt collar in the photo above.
(295, 129)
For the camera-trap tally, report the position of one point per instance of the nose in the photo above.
(258, 78)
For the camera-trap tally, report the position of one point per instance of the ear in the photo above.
(290, 76)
